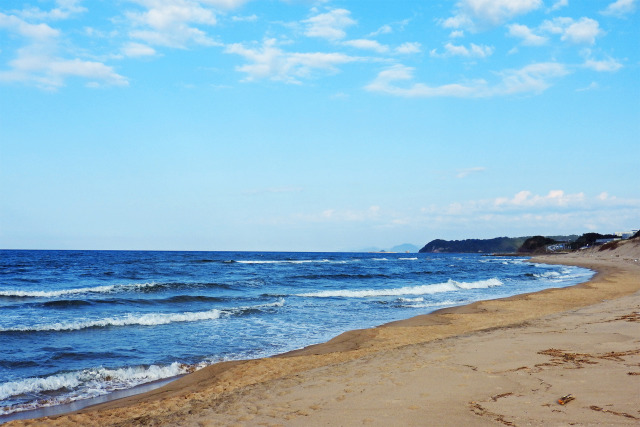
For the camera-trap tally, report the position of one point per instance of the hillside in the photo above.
(498, 244)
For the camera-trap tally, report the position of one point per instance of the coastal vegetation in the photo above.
(524, 245)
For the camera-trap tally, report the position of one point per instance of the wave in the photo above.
(64, 292)
(291, 261)
(449, 286)
(427, 304)
(342, 276)
(147, 319)
(87, 383)
(107, 289)
(565, 274)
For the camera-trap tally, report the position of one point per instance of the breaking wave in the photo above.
(133, 287)
(147, 319)
(449, 286)
(87, 383)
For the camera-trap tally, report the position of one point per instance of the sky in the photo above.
(301, 125)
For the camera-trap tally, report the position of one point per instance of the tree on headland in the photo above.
(536, 244)
(589, 239)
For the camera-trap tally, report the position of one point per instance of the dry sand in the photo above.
(500, 362)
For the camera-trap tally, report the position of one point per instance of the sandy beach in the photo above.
(499, 362)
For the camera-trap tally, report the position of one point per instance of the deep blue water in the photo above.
(77, 324)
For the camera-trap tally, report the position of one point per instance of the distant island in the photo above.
(523, 245)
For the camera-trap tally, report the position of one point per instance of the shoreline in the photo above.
(204, 395)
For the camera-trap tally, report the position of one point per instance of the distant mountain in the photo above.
(405, 247)
(498, 244)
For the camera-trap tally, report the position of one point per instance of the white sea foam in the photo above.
(408, 259)
(427, 304)
(87, 383)
(146, 319)
(449, 286)
(419, 299)
(302, 261)
(76, 291)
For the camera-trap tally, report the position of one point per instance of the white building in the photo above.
(625, 234)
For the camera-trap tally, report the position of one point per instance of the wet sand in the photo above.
(499, 362)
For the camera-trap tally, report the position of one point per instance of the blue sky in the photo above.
(315, 125)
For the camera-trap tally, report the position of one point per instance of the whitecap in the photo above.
(76, 291)
(87, 383)
(449, 286)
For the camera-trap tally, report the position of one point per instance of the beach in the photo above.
(497, 362)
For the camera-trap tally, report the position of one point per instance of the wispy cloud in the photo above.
(621, 8)
(559, 4)
(134, 50)
(473, 51)
(463, 173)
(268, 61)
(583, 31)
(39, 61)
(529, 38)
(64, 10)
(367, 45)
(533, 78)
(479, 14)
(171, 23)
(555, 212)
(605, 65)
(330, 25)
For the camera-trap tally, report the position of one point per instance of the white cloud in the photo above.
(529, 38)
(559, 5)
(330, 25)
(170, 22)
(473, 51)
(526, 199)
(481, 13)
(50, 72)
(607, 65)
(137, 50)
(620, 8)
(226, 4)
(367, 44)
(250, 18)
(386, 79)
(38, 61)
(270, 62)
(554, 213)
(65, 9)
(385, 29)
(583, 31)
(14, 24)
(533, 78)
(409, 48)
(592, 86)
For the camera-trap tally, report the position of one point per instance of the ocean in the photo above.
(79, 324)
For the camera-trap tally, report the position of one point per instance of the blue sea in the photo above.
(80, 324)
